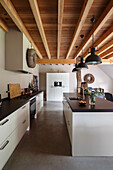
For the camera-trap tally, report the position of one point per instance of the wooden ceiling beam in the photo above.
(17, 20)
(102, 39)
(98, 25)
(105, 47)
(36, 13)
(64, 61)
(56, 61)
(84, 12)
(60, 18)
(3, 25)
(109, 56)
(106, 53)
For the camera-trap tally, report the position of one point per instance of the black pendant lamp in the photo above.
(82, 65)
(76, 68)
(76, 65)
(93, 58)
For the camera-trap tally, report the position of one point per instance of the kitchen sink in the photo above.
(74, 98)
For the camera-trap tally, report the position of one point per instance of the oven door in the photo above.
(32, 107)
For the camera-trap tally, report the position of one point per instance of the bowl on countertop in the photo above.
(82, 102)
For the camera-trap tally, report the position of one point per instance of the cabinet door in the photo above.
(65, 79)
(6, 149)
(58, 94)
(68, 118)
(22, 113)
(7, 125)
(26, 45)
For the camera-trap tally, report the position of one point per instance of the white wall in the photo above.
(102, 80)
(107, 69)
(7, 77)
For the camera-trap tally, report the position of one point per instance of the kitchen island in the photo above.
(90, 128)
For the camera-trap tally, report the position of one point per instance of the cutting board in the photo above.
(14, 90)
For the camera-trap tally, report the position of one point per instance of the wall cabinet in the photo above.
(12, 129)
(16, 47)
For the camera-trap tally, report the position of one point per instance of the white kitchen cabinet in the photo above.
(68, 118)
(7, 125)
(21, 114)
(16, 48)
(55, 93)
(6, 149)
(39, 103)
(12, 129)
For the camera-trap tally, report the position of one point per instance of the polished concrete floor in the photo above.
(47, 146)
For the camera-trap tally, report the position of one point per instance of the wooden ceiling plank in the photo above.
(3, 25)
(102, 39)
(36, 13)
(84, 12)
(105, 47)
(107, 52)
(98, 25)
(60, 18)
(109, 56)
(17, 20)
(64, 61)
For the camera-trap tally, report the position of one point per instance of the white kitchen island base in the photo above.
(90, 133)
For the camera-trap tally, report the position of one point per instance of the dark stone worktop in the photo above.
(101, 105)
(9, 106)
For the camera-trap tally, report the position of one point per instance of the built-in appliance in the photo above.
(32, 107)
(57, 83)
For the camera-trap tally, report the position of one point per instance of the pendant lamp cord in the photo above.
(93, 20)
(82, 36)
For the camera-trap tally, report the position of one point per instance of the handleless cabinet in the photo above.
(68, 118)
(16, 49)
(39, 103)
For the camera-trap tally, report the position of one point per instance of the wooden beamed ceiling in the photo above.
(54, 27)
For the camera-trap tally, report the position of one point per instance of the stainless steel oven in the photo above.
(32, 107)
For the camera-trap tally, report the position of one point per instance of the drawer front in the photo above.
(7, 125)
(6, 149)
(21, 114)
(20, 130)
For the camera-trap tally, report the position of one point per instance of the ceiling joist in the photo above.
(102, 39)
(84, 12)
(3, 26)
(17, 20)
(60, 18)
(105, 47)
(64, 61)
(106, 53)
(98, 25)
(36, 13)
(109, 56)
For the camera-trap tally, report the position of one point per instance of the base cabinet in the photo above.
(19, 122)
(39, 103)
(68, 118)
(90, 133)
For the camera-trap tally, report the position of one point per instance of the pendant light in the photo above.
(76, 65)
(93, 58)
(82, 65)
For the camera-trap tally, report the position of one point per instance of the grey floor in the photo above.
(47, 146)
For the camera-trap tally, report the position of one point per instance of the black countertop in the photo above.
(9, 106)
(101, 105)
